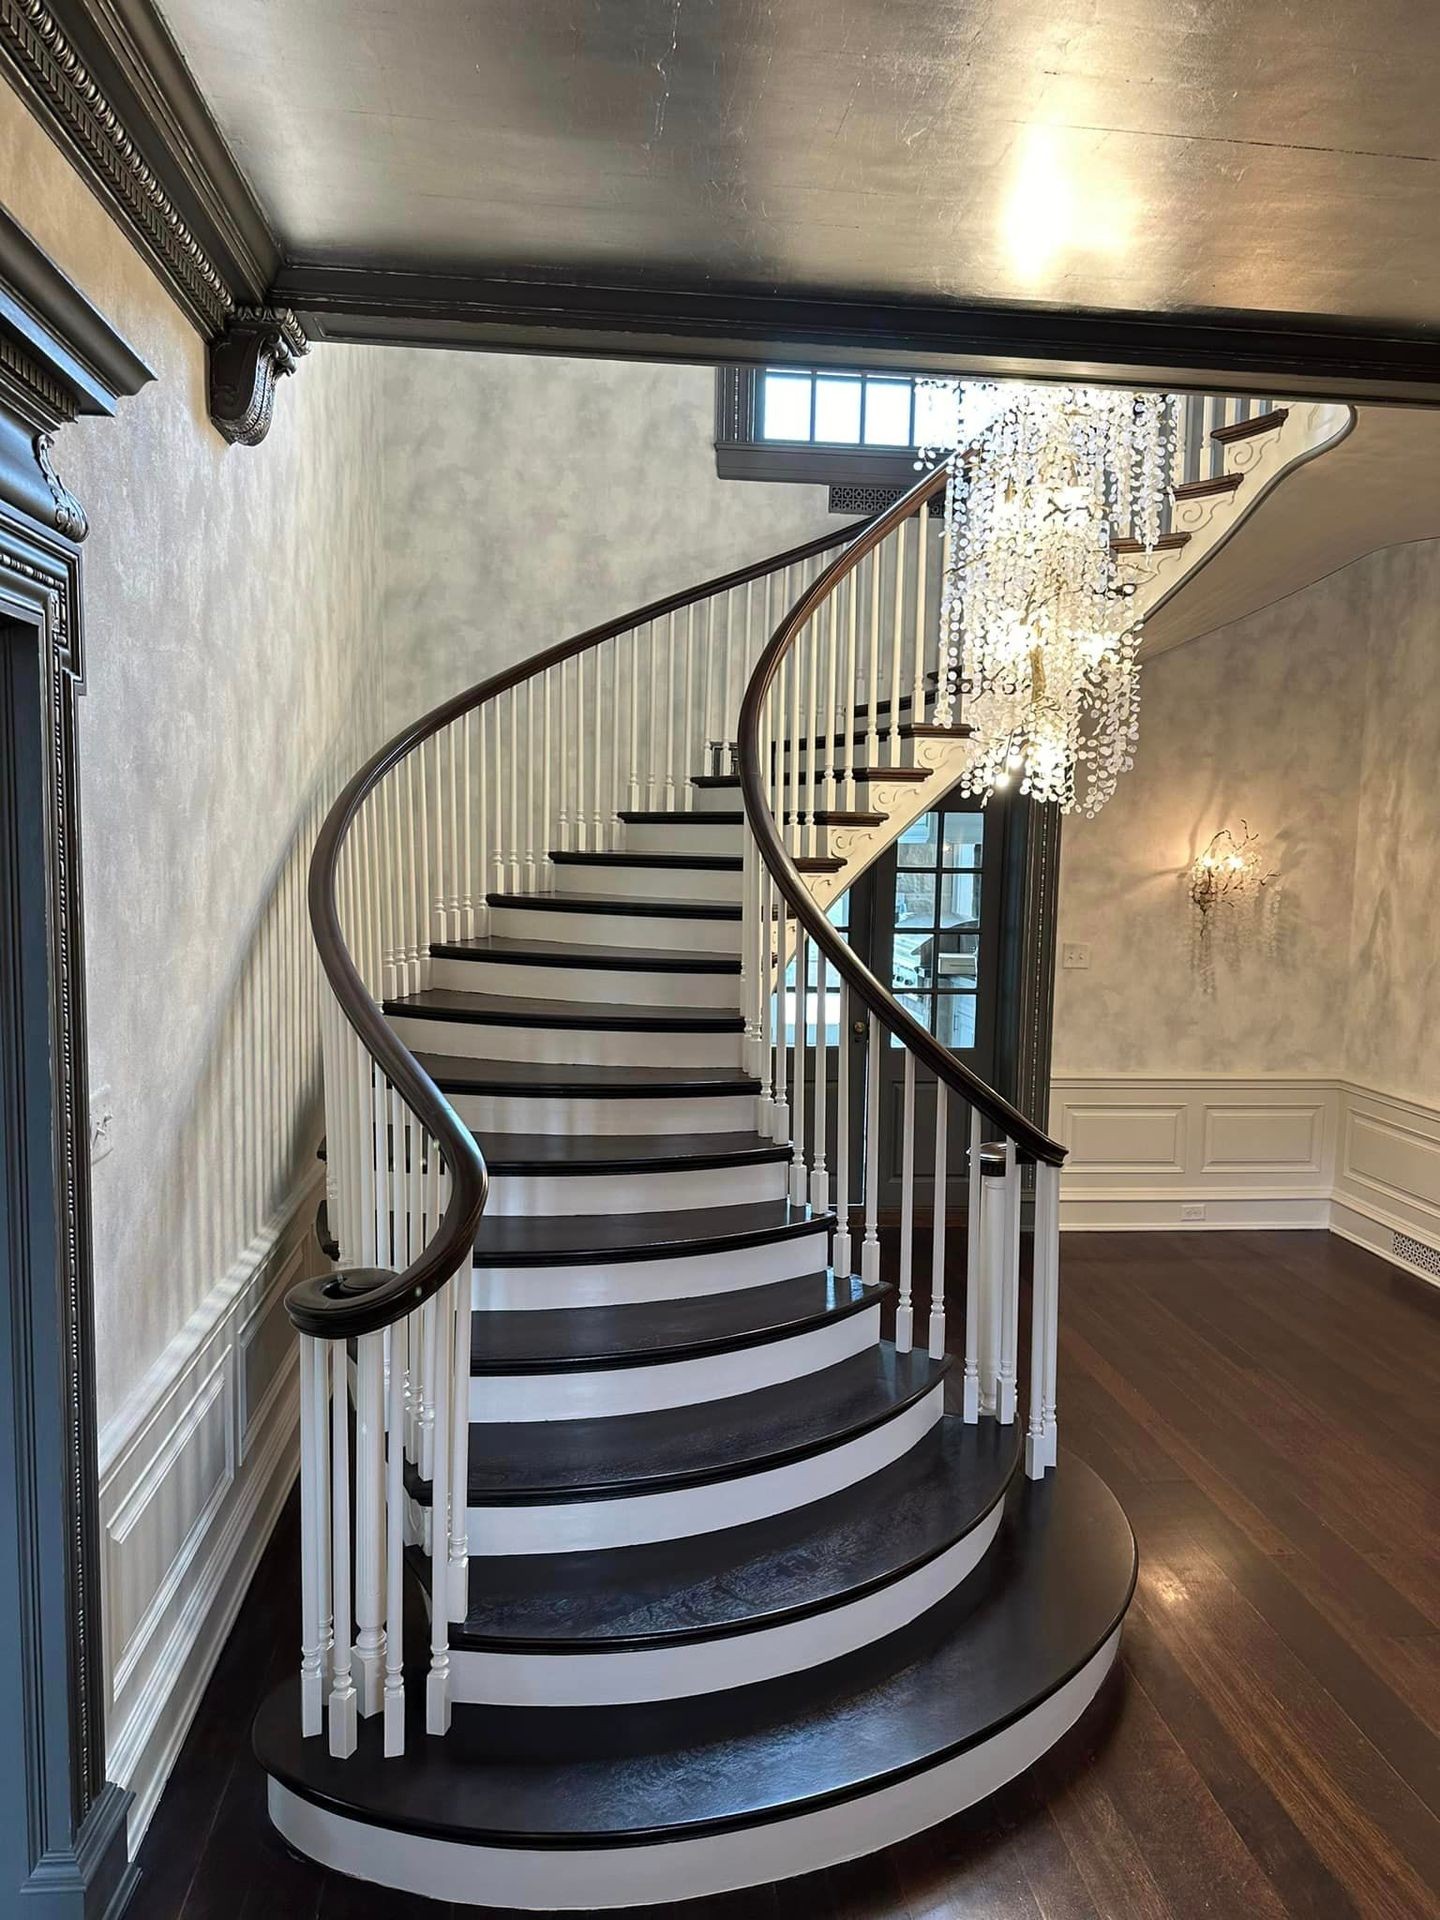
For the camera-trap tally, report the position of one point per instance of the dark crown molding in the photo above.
(109, 84)
(59, 357)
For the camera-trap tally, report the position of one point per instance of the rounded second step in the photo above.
(725, 1610)
(540, 1174)
(567, 1363)
(583, 1485)
(524, 1027)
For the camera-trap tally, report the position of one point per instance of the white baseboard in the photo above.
(1148, 1153)
(193, 1472)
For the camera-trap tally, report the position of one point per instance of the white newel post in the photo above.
(1041, 1437)
(343, 1702)
(314, 1478)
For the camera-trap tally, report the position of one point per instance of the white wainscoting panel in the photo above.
(1149, 1153)
(1387, 1179)
(193, 1472)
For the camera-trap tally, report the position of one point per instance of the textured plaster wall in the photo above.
(1318, 721)
(232, 619)
(528, 498)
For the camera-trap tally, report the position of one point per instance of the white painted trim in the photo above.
(591, 1113)
(671, 934)
(724, 1661)
(195, 1467)
(682, 1275)
(609, 986)
(589, 1526)
(565, 1045)
(657, 1189)
(1255, 1150)
(562, 1880)
(578, 1394)
(686, 833)
(649, 883)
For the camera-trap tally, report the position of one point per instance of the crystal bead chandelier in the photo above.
(1039, 631)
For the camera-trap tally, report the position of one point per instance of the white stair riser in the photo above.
(717, 799)
(606, 986)
(609, 1392)
(592, 1526)
(671, 933)
(567, 1879)
(542, 1195)
(651, 883)
(626, 1283)
(590, 1114)
(715, 1666)
(686, 833)
(566, 1046)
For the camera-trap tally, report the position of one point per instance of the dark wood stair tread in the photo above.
(1045, 1599)
(780, 1568)
(556, 1339)
(624, 904)
(582, 1153)
(677, 816)
(1245, 429)
(682, 862)
(525, 1010)
(1202, 489)
(458, 1073)
(602, 1457)
(579, 1239)
(1168, 542)
(503, 949)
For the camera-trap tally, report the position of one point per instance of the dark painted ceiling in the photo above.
(1274, 156)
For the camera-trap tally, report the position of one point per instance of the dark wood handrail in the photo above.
(1028, 1138)
(355, 1301)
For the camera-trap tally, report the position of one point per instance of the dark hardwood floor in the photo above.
(1267, 1408)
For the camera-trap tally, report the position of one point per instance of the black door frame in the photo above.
(63, 1853)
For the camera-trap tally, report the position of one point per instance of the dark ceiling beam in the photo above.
(109, 85)
(1279, 354)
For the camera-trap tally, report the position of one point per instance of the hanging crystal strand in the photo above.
(799, 1183)
(897, 642)
(870, 1247)
(973, 1263)
(842, 1253)
(904, 1310)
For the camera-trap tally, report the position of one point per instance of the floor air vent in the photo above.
(1406, 1247)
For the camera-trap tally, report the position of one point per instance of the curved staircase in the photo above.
(727, 1586)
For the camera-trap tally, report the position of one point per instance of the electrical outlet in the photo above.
(1192, 1210)
(102, 1124)
(1075, 954)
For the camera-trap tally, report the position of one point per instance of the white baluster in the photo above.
(849, 681)
(799, 1184)
(870, 1247)
(1009, 1303)
(897, 641)
(939, 1211)
(632, 789)
(458, 1578)
(437, 1683)
(470, 905)
(549, 835)
(694, 762)
(842, 1253)
(992, 1260)
(314, 1529)
(343, 1727)
(973, 1266)
(904, 1309)
(454, 832)
(872, 677)
(820, 1057)
(565, 756)
(604, 666)
(833, 733)
(369, 1519)
(1040, 1439)
(582, 721)
(395, 1505)
(922, 629)
(670, 650)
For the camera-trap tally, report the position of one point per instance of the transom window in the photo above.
(824, 408)
(935, 962)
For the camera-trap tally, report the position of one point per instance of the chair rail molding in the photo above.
(62, 1826)
(108, 83)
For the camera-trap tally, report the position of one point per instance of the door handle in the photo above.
(859, 1028)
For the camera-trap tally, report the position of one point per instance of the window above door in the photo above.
(830, 425)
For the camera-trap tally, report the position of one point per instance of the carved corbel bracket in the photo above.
(258, 345)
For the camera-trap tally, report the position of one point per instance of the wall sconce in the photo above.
(1228, 870)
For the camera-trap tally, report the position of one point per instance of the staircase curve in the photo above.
(636, 1563)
